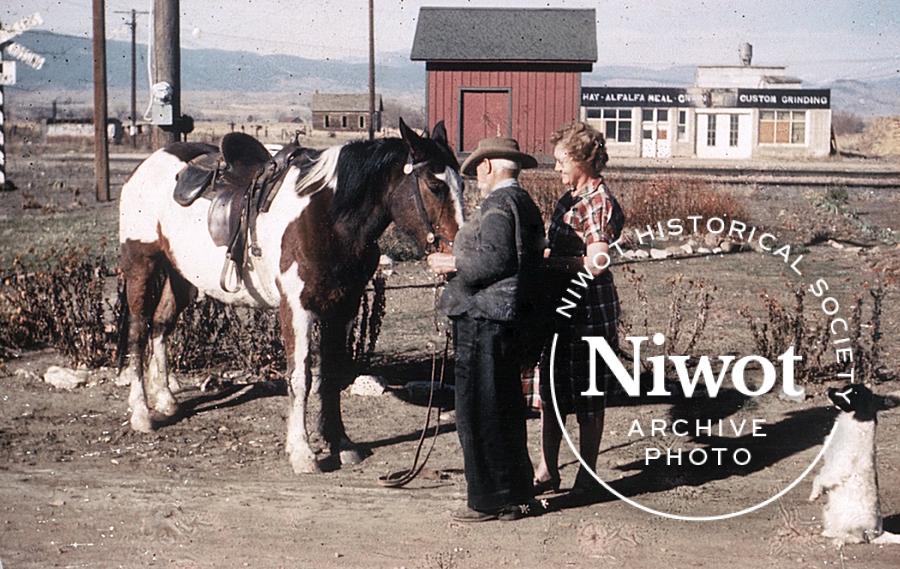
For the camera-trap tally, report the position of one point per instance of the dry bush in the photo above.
(648, 202)
(687, 297)
(785, 326)
(65, 304)
(61, 304)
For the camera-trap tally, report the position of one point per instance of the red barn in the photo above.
(504, 71)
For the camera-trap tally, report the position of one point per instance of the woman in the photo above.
(586, 220)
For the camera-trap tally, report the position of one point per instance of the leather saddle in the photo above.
(240, 180)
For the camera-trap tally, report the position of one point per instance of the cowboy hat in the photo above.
(497, 147)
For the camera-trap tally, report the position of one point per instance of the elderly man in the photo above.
(488, 297)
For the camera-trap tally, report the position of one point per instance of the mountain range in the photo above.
(69, 61)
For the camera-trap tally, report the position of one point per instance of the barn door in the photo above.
(484, 114)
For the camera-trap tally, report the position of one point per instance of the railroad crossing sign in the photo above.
(8, 72)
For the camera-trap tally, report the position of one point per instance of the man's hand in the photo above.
(442, 263)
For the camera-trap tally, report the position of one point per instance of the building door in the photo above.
(484, 114)
(724, 135)
(655, 140)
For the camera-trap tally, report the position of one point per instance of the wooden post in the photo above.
(371, 69)
(133, 25)
(101, 148)
(167, 64)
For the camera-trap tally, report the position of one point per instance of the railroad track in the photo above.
(878, 176)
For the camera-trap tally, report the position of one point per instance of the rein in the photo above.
(401, 478)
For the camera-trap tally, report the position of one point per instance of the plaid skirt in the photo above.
(596, 314)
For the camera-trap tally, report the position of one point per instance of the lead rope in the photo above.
(401, 478)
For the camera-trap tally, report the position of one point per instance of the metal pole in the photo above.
(167, 63)
(133, 78)
(371, 69)
(2, 143)
(101, 149)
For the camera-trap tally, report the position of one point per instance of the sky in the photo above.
(817, 40)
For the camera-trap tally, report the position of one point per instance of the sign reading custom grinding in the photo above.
(642, 97)
(784, 98)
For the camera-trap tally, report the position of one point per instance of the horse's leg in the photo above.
(139, 264)
(335, 367)
(160, 384)
(296, 324)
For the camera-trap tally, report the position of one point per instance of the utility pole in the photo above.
(371, 69)
(133, 26)
(101, 148)
(167, 65)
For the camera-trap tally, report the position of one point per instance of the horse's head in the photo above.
(427, 202)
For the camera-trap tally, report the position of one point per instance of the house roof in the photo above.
(352, 102)
(505, 34)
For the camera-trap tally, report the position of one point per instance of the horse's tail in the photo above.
(122, 326)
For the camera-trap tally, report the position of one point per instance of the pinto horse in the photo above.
(316, 250)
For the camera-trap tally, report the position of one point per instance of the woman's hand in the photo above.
(442, 263)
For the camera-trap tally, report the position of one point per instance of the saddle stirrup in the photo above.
(231, 272)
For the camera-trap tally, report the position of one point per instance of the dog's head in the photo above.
(858, 399)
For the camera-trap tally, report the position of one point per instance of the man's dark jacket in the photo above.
(497, 254)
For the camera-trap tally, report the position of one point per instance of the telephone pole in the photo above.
(371, 69)
(101, 148)
(133, 26)
(167, 65)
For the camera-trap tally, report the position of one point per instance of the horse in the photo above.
(315, 250)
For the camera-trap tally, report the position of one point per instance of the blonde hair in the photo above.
(584, 144)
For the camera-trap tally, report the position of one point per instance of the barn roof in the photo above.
(505, 34)
(350, 102)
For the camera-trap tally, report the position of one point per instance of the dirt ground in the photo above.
(214, 489)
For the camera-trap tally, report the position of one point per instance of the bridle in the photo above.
(433, 236)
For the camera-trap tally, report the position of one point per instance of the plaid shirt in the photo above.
(581, 218)
(591, 215)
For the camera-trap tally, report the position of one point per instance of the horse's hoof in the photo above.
(353, 456)
(305, 464)
(166, 405)
(141, 422)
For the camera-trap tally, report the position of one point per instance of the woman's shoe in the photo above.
(545, 486)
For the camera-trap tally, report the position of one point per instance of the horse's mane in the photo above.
(362, 167)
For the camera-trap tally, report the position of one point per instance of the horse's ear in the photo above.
(412, 140)
(440, 132)
(408, 134)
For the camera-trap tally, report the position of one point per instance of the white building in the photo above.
(731, 112)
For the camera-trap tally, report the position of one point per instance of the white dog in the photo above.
(849, 474)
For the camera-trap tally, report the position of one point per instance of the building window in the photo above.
(782, 127)
(327, 121)
(733, 130)
(362, 121)
(343, 121)
(614, 123)
(682, 126)
(711, 130)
